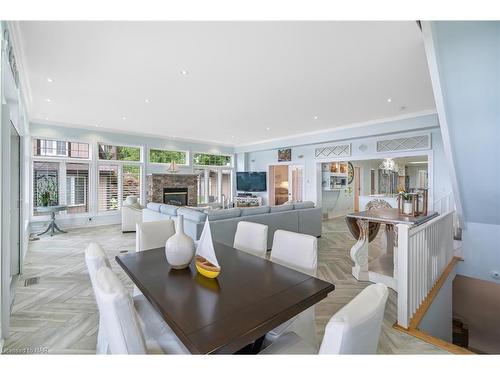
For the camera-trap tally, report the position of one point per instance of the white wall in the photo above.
(362, 148)
(95, 136)
(464, 61)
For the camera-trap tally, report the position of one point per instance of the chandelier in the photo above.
(388, 165)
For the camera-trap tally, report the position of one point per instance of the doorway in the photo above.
(286, 183)
(15, 208)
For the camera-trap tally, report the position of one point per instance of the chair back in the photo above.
(118, 314)
(355, 329)
(95, 258)
(295, 250)
(251, 238)
(153, 234)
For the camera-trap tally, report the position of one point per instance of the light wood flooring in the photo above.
(56, 313)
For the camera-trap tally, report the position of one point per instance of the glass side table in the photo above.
(52, 224)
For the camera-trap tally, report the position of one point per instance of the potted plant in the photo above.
(407, 202)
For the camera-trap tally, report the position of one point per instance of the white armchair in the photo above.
(131, 214)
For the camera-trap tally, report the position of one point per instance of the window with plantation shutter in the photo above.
(108, 187)
(131, 181)
(45, 185)
(77, 187)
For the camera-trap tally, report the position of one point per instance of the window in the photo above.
(123, 153)
(45, 147)
(214, 185)
(77, 187)
(212, 159)
(131, 181)
(45, 185)
(166, 156)
(108, 187)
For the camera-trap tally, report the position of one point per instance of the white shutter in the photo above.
(108, 187)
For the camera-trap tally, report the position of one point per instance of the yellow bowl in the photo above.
(206, 269)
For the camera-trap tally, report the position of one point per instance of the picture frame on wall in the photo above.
(284, 154)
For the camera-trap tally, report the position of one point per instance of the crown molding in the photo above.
(341, 128)
(128, 132)
(24, 82)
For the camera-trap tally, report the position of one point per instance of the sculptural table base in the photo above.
(52, 226)
(359, 253)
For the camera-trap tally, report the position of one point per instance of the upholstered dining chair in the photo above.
(153, 234)
(160, 336)
(354, 329)
(251, 238)
(300, 252)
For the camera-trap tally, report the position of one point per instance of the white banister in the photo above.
(424, 252)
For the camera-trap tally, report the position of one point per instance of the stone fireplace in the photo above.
(175, 196)
(160, 184)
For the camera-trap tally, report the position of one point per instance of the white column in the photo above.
(403, 277)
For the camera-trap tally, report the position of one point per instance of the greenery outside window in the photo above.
(167, 157)
(212, 160)
(122, 153)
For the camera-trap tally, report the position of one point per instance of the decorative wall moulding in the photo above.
(333, 151)
(419, 142)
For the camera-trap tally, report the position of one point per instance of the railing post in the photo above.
(403, 276)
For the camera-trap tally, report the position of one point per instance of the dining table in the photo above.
(224, 315)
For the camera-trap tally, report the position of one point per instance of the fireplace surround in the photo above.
(156, 183)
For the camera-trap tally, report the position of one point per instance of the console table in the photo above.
(248, 201)
(52, 224)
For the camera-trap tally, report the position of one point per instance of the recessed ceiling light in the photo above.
(389, 100)
(49, 80)
(124, 118)
(184, 72)
(147, 101)
(46, 119)
(232, 136)
(268, 128)
(48, 100)
(315, 117)
(96, 125)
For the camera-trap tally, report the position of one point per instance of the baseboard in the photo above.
(445, 345)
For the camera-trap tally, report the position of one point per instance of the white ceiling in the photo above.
(242, 77)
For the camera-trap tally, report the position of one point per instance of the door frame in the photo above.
(402, 154)
(287, 163)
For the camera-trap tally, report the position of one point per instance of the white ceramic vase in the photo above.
(407, 207)
(179, 248)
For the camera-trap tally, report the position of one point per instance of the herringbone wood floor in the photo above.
(59, 314)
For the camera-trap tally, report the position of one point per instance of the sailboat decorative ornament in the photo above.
(206, 261)
(173, 168)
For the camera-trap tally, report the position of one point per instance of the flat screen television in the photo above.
(251, 181)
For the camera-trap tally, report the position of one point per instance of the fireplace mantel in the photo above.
(156, 182)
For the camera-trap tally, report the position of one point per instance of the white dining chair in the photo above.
(153, 325)
(153, 234)
(127, 330)
(251, 238)
(354, 329)
(300, 252)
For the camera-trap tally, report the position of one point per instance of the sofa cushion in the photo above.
(302, 205)
(254, 210)
(169, 209)
(193, 215)
(214, 215)
(283, 207)
(154, 206)
(131, 199)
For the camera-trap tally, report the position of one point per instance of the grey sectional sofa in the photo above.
(300, 217)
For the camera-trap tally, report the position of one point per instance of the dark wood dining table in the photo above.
(250, 297)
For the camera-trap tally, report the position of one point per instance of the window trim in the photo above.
(140, 147)
(69, 140)
(148, 155)
(231, 156)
